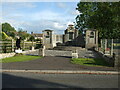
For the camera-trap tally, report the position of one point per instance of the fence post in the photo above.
(12, 45)
(32, 48)
(111, 53)
(32, 43)
(1, 46)
(105, 45)
(101, 45)
(23, 44)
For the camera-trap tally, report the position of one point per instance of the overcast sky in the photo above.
(38, 16)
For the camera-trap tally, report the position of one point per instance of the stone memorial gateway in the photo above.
(71, 38)
(50, 39)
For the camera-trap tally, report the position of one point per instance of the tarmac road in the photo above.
(51, 63)
(37, 80)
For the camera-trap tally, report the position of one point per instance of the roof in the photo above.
(90, 30)
(70, 25)
(47, 30)
(37, 35)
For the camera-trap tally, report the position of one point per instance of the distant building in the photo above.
(37, 35)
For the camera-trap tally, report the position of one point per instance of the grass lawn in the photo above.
(89, 61)
(20, 58)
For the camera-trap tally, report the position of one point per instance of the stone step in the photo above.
(69, 48)
(57, 53)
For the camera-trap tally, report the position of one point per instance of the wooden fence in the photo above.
(8, 46)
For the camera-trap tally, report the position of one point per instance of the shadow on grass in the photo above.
(64, 56)
(99, 62)
(31, 55)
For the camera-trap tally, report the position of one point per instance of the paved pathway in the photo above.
(51, 63)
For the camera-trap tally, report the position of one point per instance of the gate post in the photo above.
(105, 46)
(74, 54)
(111, 53)
(42, 51)
(12, 45)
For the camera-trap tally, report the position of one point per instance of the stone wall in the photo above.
(67, 48)
(110, 60)
(5, 55)
(67, 51)
(58, 53)
(30, 52)
(79, 41)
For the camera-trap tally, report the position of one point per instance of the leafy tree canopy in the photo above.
(103, 16)
(32, 38)
(23, 34)
(8, 30)
(6, 27)
(5, 36)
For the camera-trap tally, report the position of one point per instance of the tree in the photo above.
(103, 16)
(32, 38)
(8, 29)
(23, 34)
(12, 34)
(4, 35)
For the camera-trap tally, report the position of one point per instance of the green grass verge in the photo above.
(90, 61)
(19, 58)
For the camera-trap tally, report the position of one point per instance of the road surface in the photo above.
(37, 80)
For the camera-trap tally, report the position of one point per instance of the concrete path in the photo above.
(51, 63)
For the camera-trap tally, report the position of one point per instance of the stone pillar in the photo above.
(32, 47)
(117, 54)
(117, 60)
(54, 40)
(42, 51)
(96, 42)
(74, 54)
(48, 38)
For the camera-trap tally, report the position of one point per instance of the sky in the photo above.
(38, 16)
